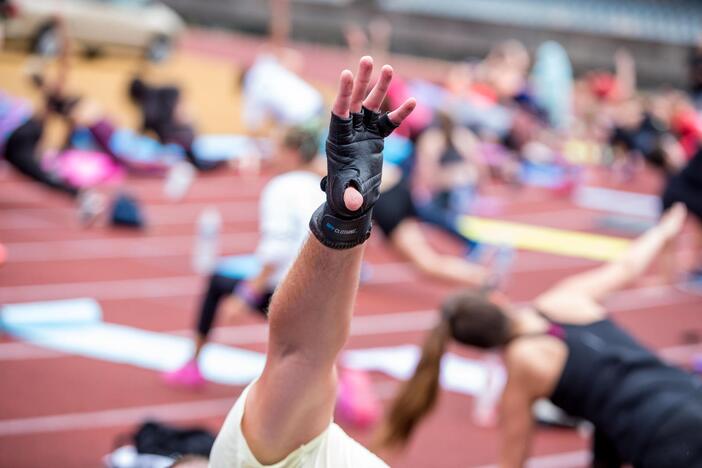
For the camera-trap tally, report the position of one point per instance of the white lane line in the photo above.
(115, 417)
(215, 408)
(155, 215)
(399, 322)
(202, 188)
(119, 248)
(179, 286)
(136, 415)
(188, 285)
(392, 272)
(421, 320)
(169, 246)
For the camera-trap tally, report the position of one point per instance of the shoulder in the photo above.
(535, 364)
(350, 452)
(521, 357)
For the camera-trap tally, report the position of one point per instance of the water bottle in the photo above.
(206, 249)
(178, 180)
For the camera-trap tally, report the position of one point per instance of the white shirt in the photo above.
(271, 91)
(286, 206)
(333, 448)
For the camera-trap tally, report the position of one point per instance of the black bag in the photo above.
(126, 212)
(159, 439)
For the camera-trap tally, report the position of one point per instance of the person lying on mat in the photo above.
(397, 218)
(24, 147)
(285, 416)
(286, 204)
(565, 348)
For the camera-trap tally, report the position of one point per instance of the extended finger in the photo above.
(377, 94)
(402, 112)
(360, 85)
(343, 98)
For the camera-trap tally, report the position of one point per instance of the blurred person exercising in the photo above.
(446, 174)
(274, 93)
(565, 348)
(24, 145)
(284, 418)
(164, 113)
(685, 186)
(287, 202)
(397, 217)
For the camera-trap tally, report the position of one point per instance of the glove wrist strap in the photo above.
(338, 233)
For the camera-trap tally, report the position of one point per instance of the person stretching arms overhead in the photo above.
(284, 418)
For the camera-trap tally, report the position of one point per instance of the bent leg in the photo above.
(409, 240)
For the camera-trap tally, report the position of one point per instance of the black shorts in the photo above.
(682, 189)
(678, 441)
(219, 287)
(393, 207)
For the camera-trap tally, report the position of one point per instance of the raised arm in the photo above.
(310, 315)
(595, 284)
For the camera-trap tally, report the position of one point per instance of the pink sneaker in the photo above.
(356, 403)
(188, 376)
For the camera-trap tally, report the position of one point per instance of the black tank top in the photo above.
(617, 384)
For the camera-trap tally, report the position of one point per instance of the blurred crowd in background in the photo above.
(515, 116)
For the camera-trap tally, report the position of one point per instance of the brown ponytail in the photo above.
(418, 395)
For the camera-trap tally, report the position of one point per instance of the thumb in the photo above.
(353, 199)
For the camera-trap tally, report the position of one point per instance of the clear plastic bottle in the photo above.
(178, 180)
(206, 249)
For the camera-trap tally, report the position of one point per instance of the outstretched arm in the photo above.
(595, 284)
(310, 315)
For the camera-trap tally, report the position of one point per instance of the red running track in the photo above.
(68, 411)
(65, 411)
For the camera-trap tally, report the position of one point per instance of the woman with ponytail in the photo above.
(563, 347)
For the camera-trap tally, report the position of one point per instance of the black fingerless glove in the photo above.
(354, 159)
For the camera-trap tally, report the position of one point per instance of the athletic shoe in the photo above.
(188, 376)
(90, 206)
(356, 403)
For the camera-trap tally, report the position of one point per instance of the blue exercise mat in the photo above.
(75, 326)
(239, 266)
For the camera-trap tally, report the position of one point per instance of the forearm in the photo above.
(642, 251)
(311, 312)
(310, 316)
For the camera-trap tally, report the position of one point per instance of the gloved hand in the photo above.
(354, 158)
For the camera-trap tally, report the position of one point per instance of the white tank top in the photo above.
(333, 448)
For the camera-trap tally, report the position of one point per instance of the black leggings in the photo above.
(20, 152)
(677, 442)
(604, 452)
(220, 287)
